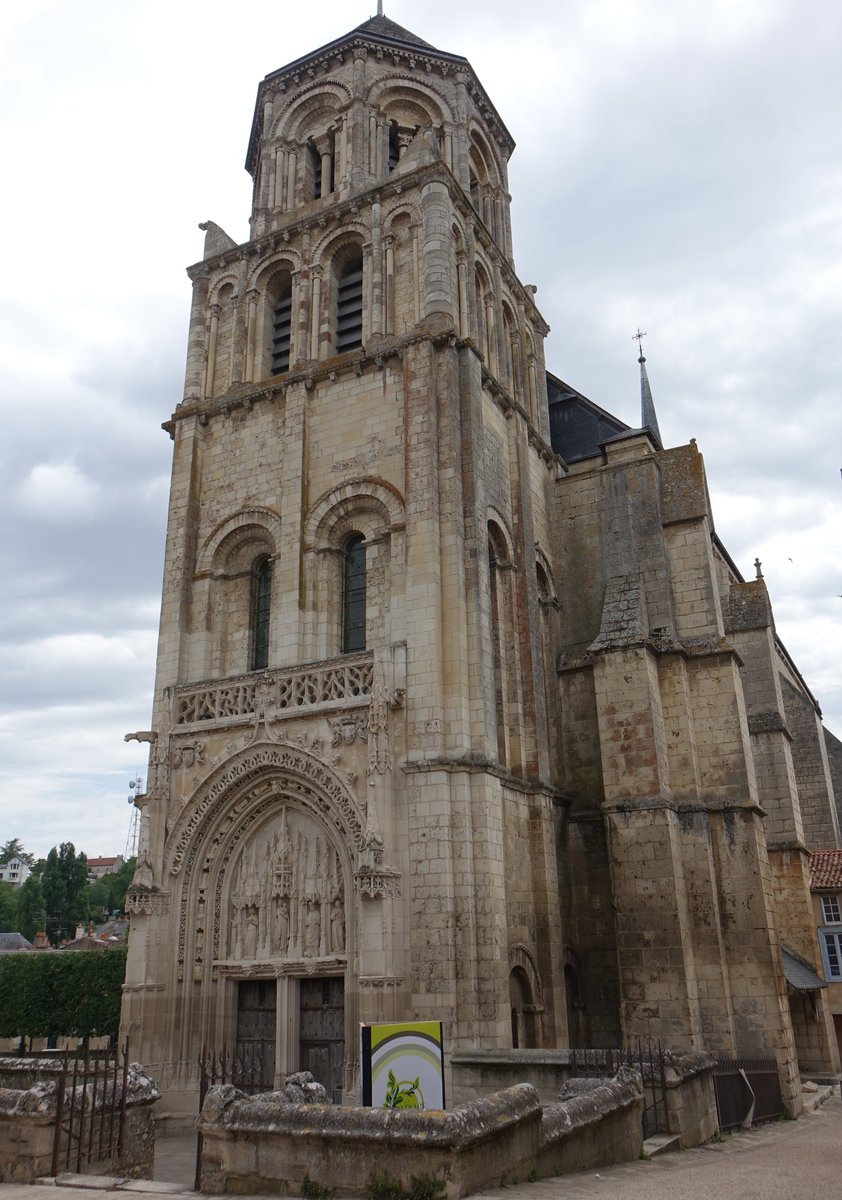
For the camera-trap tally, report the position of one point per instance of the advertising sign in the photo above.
(402, 1065)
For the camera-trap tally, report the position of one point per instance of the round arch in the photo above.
(334, 506)
(244, 525)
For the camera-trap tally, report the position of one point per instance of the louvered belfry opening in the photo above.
(281, 331)
(349, 306)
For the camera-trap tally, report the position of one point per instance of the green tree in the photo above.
(108, 894)
(13, 848)
(8, 909)
(64, 881)
(31, 914)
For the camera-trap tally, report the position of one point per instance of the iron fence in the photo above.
(242, 1067)
(91, 1090)
(649, 1059)
(748, 1090)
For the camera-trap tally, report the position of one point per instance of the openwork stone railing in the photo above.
(334, 683)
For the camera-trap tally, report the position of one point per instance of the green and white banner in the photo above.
(402, 1065)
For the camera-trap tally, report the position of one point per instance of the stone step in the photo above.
(661, 1143)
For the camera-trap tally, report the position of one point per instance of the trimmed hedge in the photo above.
(61, 993)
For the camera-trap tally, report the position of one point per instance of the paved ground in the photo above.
(791, 1160)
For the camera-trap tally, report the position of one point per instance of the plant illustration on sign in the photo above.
(403, 1094)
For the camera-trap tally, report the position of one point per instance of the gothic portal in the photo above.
(450, 718)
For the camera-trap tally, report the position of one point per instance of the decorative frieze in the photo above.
(378, 883)
(331, 684)
(149, 903)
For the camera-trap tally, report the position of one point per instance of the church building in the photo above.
(462, 710)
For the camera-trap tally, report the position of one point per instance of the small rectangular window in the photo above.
(830, 910)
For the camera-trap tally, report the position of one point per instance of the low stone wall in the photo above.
(28, 1120)
(691, 1098)
(265, 1144)
(599, 1126)
(689, 1091)
(477, 1073)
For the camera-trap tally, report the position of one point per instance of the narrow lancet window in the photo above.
(353, 594)
(261, 605)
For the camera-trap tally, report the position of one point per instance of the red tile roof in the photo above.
(826, 870)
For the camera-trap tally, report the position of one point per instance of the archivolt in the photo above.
(327, 97)
(264, 519)
(355, 494)
(520, 956)
(235, 795)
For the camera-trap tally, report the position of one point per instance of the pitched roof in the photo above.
(383, 27)
(799, 974)
(14, 941)
(826, 869)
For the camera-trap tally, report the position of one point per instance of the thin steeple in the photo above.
(648, 416)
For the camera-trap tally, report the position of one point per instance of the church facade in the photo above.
(462, 711)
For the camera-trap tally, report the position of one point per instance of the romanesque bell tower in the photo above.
(350, 805)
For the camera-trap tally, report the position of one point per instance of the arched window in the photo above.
(349, 306)
(260, 607)
(282, 330)
(353, 594)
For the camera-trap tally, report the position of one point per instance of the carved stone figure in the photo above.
(280, 933)
(313, 929)
(337, 926)
(250, 948)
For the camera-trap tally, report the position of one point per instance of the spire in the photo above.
(648, 417)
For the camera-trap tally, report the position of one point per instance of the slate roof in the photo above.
(14, 941)
(383, 27)
(799, 974)
(826, 870)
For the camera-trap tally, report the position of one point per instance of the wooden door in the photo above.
(256, 1005)
(322, 1037)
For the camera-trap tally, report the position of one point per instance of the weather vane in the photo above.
(638, 337)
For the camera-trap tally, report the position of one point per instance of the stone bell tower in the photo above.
(350, 806)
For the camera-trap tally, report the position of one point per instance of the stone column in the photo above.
(389, 300)
(251, 320)
(197, 342)
(438, 286)
(210, 371)
(316, 311)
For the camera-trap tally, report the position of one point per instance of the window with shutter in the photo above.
(349, 307)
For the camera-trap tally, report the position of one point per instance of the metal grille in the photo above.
(649, 1059)
(748, 1090)
(90, 1108)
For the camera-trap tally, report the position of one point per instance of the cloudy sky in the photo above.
(679, 167)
